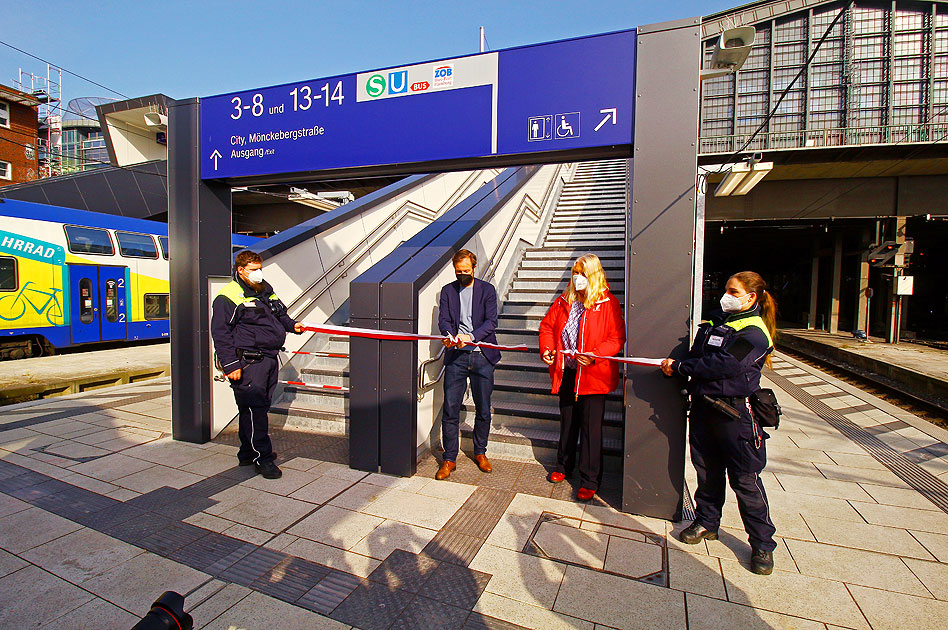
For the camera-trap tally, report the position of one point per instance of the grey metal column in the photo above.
(660, 262)
(199, 228)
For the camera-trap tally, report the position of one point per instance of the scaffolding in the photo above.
(48, 91)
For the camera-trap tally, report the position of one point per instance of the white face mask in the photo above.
(731, 303)
(580, 282)
(255, 276)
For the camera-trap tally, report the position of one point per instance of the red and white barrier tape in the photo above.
(387, 335)
(331, 355)
(315, 385)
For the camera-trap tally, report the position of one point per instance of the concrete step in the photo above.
(612, 274)
(528, 444)
(309, 418)
(591, 222)
(581, 244)
(533, 253)
(327, 399)
(555, 286)
(610, 265)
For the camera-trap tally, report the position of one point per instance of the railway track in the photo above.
(928, 410)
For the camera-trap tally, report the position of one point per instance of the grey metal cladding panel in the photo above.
(397, 401)
(308, 229)
(98, 194)
(65, 193)
(815, 199)
(31, 193)
(923, 195)
(398, 300)
(364, 298)
(131, 203)
(660, 267)
(154, 188)
(364, 399)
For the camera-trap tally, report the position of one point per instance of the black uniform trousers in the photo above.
(253, 393)
(722, 445)
(580, 417)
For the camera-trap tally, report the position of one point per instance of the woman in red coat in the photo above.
(585, 320)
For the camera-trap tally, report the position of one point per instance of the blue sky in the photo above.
(199, 48)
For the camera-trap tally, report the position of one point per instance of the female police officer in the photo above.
(724, 365)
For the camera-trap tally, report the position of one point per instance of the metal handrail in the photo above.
(409, 208)
(825, 138)
(526, 204)
(422, 386)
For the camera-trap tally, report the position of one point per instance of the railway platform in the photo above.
(45, 377)
(914, 369)
(100, 512)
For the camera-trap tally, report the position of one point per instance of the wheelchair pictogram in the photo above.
(566, 125)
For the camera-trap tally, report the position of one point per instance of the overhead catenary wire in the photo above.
(803, 69)
(90, 160)
(75, 74)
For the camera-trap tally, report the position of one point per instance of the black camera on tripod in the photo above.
(167, 613)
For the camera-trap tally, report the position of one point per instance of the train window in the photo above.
(84, 240)
(7, 273)
(156, 306)
(164, 246)
(86, 310)
(111, 301)
(136, 245)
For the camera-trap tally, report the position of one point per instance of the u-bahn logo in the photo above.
(375, 86)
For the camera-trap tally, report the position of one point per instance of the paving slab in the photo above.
(529, 579)
(526, 616)
(705, 613)
(893, 611)
(81, 555)
(30, 528)
(618, 602)
(137, 582)
(867, 537)
(813, 598)
(257, 610)
(32, 597)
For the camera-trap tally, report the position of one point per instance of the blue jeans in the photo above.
(473, 366)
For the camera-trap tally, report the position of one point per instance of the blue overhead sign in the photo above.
(572, 94)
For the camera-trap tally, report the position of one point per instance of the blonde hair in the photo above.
(754, 283)
(592, 269)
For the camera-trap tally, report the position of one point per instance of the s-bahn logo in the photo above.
(443, 76)
(375, 86)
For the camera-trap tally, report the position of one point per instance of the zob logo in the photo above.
(443, 76)
(375, 86)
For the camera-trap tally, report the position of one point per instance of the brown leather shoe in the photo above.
(446, 469)
(483, 463)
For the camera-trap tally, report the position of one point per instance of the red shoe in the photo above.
(556, 477)
(585, 494)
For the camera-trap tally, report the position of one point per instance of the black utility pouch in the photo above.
(249, 356)
(765, 407)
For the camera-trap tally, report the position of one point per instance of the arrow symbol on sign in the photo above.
(215, 156)
(610, 112)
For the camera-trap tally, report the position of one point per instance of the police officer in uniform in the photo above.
(724, 367)
(249, 325)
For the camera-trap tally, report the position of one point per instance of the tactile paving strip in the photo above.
(927, 484)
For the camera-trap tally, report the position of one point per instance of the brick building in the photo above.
(18, 137)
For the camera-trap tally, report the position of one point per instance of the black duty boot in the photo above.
(269, 470)
(762, 562)
(695, 533)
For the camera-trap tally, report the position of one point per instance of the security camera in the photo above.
(730, 51)
(155, 119)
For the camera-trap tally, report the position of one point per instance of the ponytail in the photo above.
(754, 283)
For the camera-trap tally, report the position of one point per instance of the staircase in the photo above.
(589, 217)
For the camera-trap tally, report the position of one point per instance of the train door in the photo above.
(112, 303)
(97, 303)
